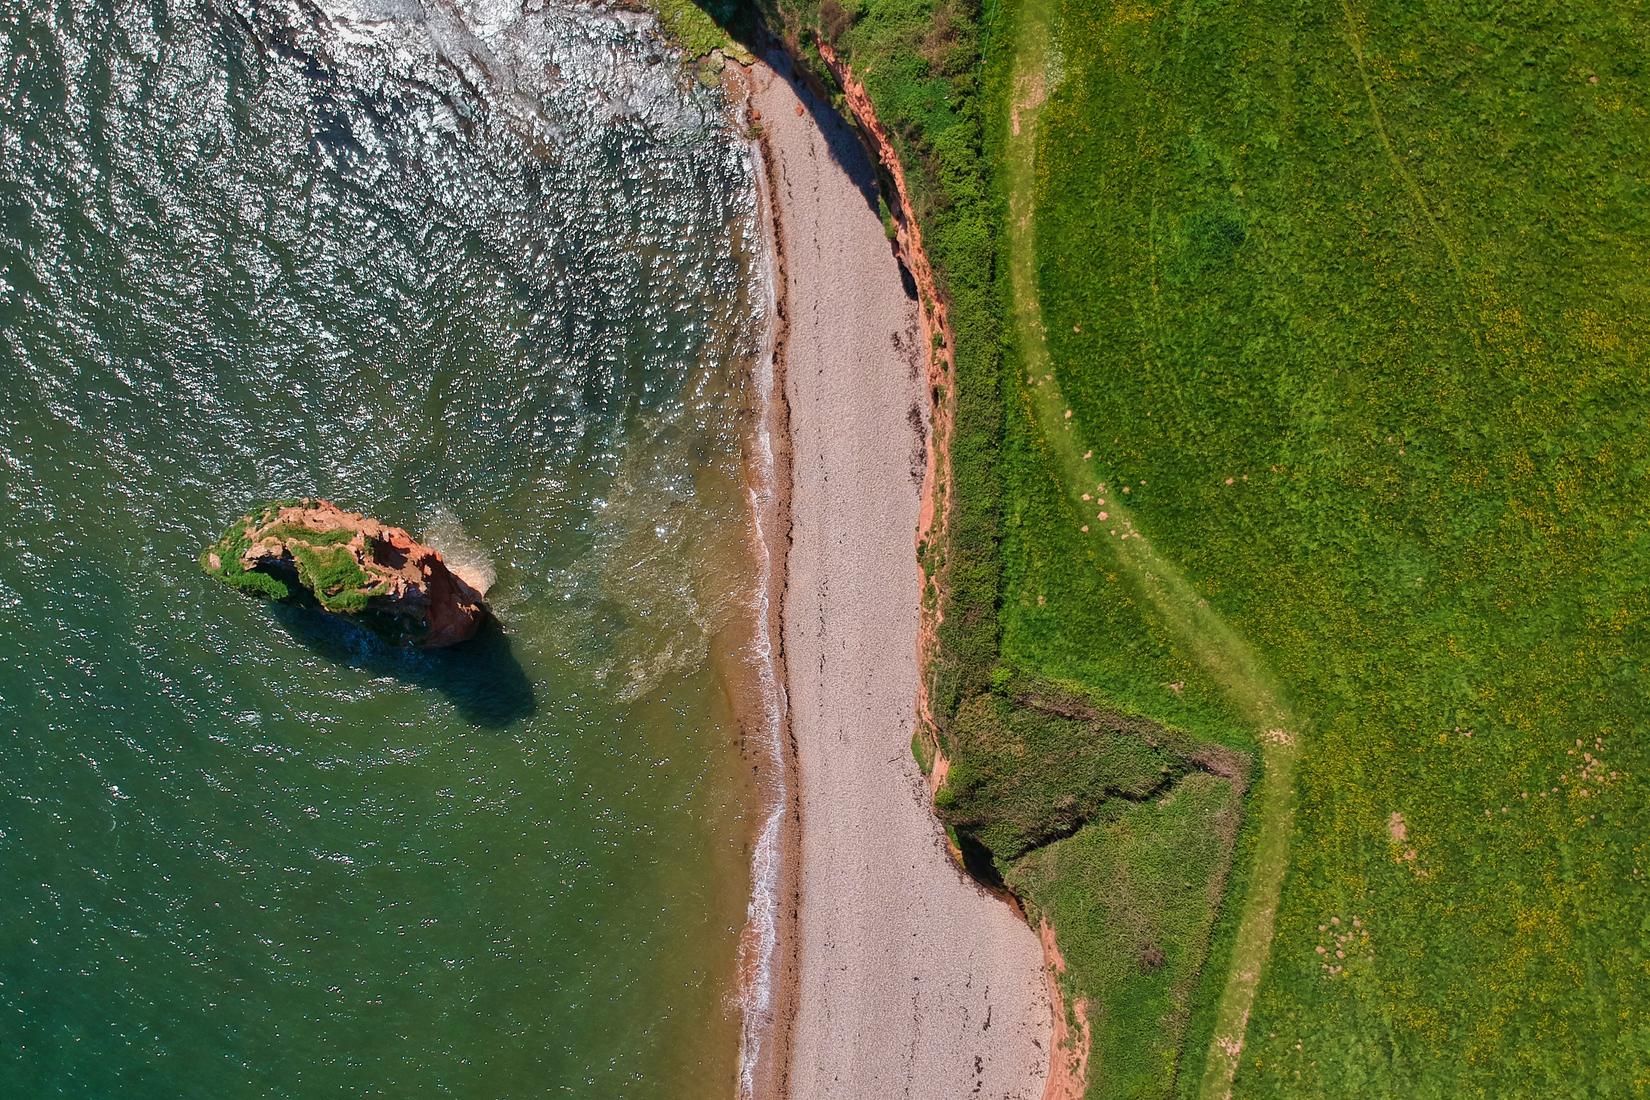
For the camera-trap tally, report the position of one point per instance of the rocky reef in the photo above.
(348, 564)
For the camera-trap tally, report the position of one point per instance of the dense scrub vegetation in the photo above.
(1087, 757)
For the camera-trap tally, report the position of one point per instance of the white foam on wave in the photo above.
(464, 554)
(759, 945)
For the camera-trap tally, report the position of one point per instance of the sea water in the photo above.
(486, 270)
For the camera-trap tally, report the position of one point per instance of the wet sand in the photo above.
(902, 977)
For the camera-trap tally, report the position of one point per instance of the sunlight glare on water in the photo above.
(483, 270)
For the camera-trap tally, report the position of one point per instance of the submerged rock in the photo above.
(304, 550)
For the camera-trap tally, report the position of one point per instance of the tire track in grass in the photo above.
(1225, 656)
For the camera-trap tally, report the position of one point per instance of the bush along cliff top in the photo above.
(312, 551)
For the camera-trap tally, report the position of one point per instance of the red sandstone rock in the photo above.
(397, 585)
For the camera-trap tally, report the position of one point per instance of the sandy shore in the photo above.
(906, 980)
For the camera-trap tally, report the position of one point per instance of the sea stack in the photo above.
(313, 551)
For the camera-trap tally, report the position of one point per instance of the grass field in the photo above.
(1343, 310)
(1145, 597)
(1132, 893)
(1353, 301)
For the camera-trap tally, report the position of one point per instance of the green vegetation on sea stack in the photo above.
(313, 551)
(323, 565)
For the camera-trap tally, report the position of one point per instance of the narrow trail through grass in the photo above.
(1355, 42)
(1225, 656)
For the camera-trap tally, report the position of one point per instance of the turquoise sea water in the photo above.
(482, 270)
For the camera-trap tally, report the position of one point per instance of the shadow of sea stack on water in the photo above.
(485, 269)
(482, 677)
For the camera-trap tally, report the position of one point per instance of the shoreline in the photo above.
(767, 987)
(892, 962)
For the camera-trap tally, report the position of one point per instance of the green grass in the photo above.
(1134, 894)
(1145, 596)
(1384, 269)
